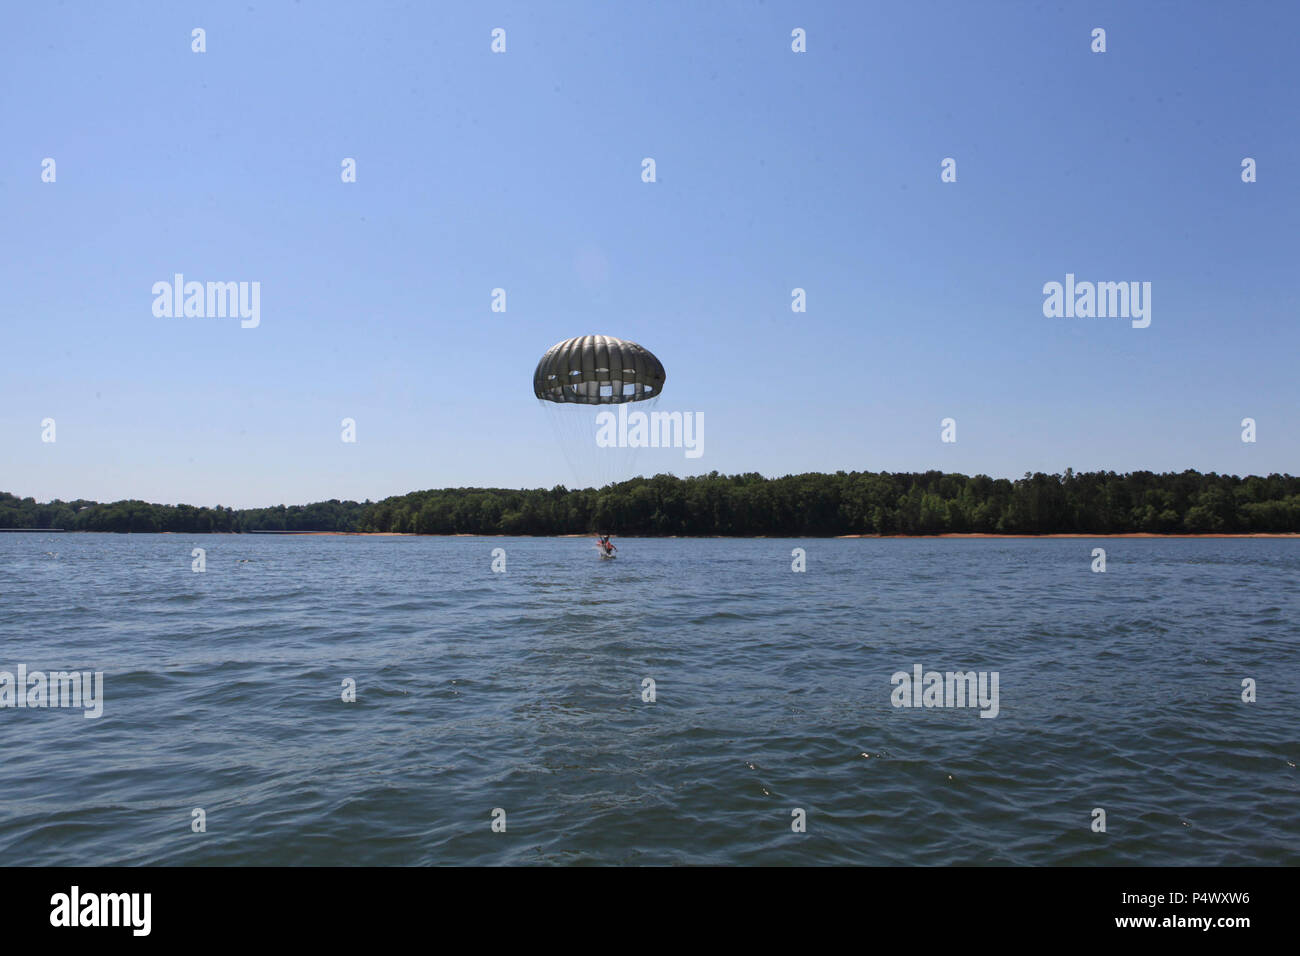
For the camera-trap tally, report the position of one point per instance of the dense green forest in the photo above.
(140, 516)
(813, 504)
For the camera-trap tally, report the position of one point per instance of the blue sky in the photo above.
(522, 170)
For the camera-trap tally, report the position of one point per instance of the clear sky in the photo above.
(522, 170)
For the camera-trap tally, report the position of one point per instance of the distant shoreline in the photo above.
(1075, 534)
(814, 505)
(712, 537)
(746, 537)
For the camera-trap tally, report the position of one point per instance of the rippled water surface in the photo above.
(523, 691)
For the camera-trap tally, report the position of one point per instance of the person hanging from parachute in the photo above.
(593, 372)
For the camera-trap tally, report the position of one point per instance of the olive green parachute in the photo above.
(598, 370)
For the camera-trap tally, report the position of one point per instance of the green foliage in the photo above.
(860, 503)
(140, 516)
(793, 506)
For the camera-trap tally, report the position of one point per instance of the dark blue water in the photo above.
(522, 691)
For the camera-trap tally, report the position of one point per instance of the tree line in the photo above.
(143, 517)
(815, 504)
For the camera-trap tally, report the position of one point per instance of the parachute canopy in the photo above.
(598, 370)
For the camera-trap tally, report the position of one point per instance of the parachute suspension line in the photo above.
(574, 442)
(579, 378)
(575, 430)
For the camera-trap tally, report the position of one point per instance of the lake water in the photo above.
(523, 691)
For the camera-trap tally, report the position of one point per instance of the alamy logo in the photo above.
(212, 300)
(37, 689)
(655, 430)
(1100, 300)
(103, 909)
(951, 689)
